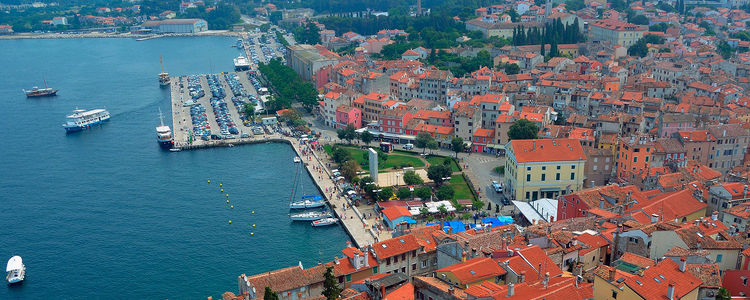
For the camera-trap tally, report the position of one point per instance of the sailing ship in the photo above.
(163, 76)
(37, 92)
(164, 134)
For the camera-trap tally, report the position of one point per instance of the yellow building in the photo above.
(616, 32)
(543, 168)
(665, 280)
(472, 272)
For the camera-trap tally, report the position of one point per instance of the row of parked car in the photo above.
(194, 87)
(201, 127)
(219, 106)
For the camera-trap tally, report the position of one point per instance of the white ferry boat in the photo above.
(164, 134)
(82, 119)
(241, 64)
(310, 216)
(15, 270)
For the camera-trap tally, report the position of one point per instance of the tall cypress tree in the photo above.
(331, 287)
(553, 49)
(541, 51)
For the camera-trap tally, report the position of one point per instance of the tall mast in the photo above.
(45, 81)
(161, 117)
(161, 62)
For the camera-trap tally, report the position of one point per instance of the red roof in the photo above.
(395, 246)
(542, 150)
(474, 270)
(395, 212)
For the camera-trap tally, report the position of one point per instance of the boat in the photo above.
(308, 202)
(163, 76)
(175, 150)
(310, 215)
(37, 92)
(297, 159)
(241, 64)
(15, 271)
(324, 222)
(82, 119)
(164, 134)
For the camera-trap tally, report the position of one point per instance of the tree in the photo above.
(422, 139)
(523, 130)
(445, 192)
(411, 178)
(341, 134)
(249, 110)
(542, 49)
(350, 169)
(331, 287)
(385, 193)
(366, 137)
(433, 145)
(639, 20)
(350, 133)
(403, 193)
(512, 69)
(269, 294)
(423, 193)
(340, 155)
(457, 145)
(437, 172)
(723, 294)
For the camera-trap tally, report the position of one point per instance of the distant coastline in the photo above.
(113, 35)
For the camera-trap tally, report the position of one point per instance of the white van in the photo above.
(408, 146)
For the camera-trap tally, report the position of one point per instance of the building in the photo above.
(665, 280)
(633, 156)
(307, 60)
(543, 168)
(616, 32)
(176, 26)
(6, 29)
(347, 115)
(730, 148)
(737, 215)
(59, 21)
(397, 255)
(472, 272)
(727, 195)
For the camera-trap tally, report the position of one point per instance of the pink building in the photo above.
(346, 115)
(394, 120)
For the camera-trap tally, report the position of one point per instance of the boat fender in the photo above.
(227, 195)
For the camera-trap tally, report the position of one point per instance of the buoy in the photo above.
(209, 181)
(252, 233)
(253, 211)
(253, 225)
(230, 221)
(220, 185)
(227, 195)
(222, 190)
(231, 206)
(227, 201)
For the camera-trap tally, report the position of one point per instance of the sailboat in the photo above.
(164, 133)
(307, 201)
(163, 76)
(37, 92)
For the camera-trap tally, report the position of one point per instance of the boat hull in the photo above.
(49, 94)
(166, 144)
(71, 129)
(309, 217)
(324, 222)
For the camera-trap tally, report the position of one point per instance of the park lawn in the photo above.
(438, 160)
(394, 160)
(460, 187)
(328, 149)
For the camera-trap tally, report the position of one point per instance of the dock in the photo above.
(354, 223)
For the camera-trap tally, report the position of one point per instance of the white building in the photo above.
(177, 26)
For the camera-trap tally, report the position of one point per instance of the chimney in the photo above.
(611, 274)
(510, 252)
(366, 254)
(670, 291)
(601, 203)
(715, 215)
(522, 277)
(683, 263)
(450, 289)
(511, 290)
(654, 218)
(546, 280)
(382, 291)
(466, 245)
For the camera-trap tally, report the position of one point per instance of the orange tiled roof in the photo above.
(541, 150)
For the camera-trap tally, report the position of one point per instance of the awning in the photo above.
(496, 146)
(552, 189)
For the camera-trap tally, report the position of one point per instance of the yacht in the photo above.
(310, 215)
(164, 134)
(324, 222)
(163, 76)
(297, 159)
(82, 119)
(15, 271)
(308, 202)
(241, 64)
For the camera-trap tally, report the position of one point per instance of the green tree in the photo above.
(423, 193)
(403, 193)
(457, 145)
(659, 27)
(350, 169)
(432, 145)
(331, 287)
(269, 294)
(445, 192)
(422, 139)
(723, 294)
(366, 137)
(523, 130)
(437, 172)
(385, 193)
(639, 20)
(411, 178)
(340, 155)
(512, 69)
(514, 17)
(249, 110)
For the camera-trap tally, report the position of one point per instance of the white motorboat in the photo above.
(297, 159)
(324, 222)
(15, 271)
(175, 150)
(310, 215)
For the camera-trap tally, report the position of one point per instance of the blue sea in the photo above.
(105, 213)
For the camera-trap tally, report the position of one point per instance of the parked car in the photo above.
(408, 146)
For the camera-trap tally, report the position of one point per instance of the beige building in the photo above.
(616, 32)
(307, 60)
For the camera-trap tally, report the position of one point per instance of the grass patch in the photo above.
(461, 188)
(438, 160)
(394, 160)
(328, 149)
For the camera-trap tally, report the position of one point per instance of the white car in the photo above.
(497, 186)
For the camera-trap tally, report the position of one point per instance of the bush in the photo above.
(403, 193)
(423, 192)
(445, 192)
(411, 178)
(385, 193)
(500, 170)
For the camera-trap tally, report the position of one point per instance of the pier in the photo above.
(356, 226)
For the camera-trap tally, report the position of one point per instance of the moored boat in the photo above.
(297, 159)
(308, 202)
(37, 92)
(241, 64)
(310, 215)
(163, 76)
(82, 119)
(164, 134)
(324, 222)
(15, 270)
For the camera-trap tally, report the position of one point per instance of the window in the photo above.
(544, 176)
(557, 176)
(413, 253)
(528, 177)
(403, 256)
(375, 270)
(558, 167)
(635, 159)
(572, 176)
(595, 167)
(349, 278)
(528, 168)
(414, 266)
(614, 294)
(395, 259)
(544, 168)
(646, 158)
(388, 261)
(719, 257)
(573, 167)
(341, 279)
(424, 264)
(403, 269)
